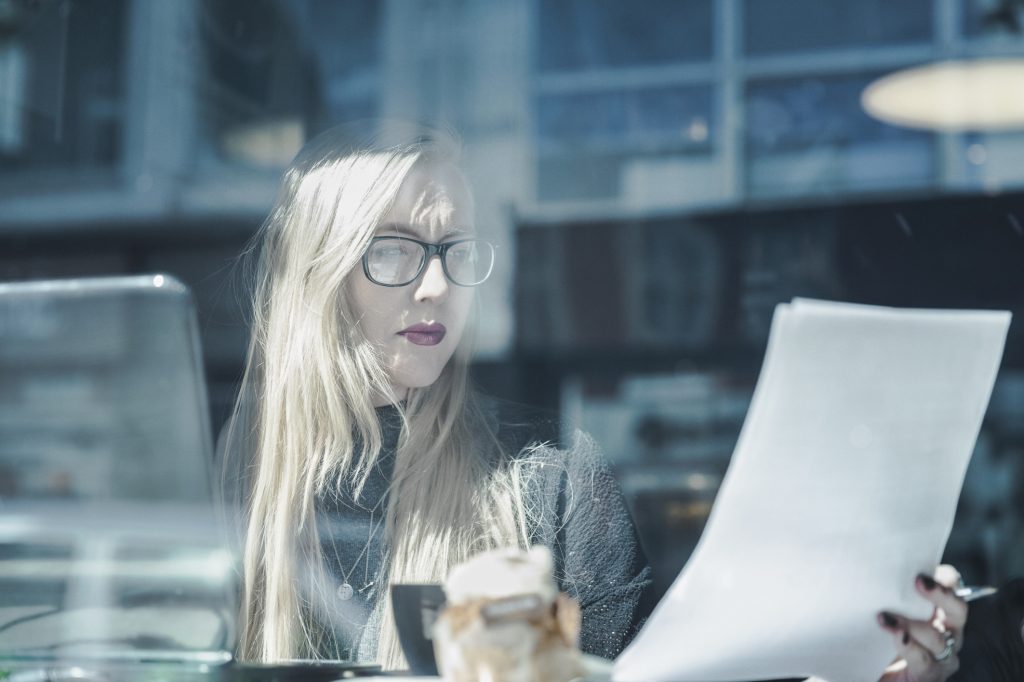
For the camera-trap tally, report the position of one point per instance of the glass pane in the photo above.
(61, 90)
(678, 302)
(579, 176)
(810, 135)
(99, 394)
(345, 37)
(594, 34)
(991, 19)
(780, 26)
(275, 73)
(677, 117)
(800, 113)
(992, 162)
(672, 196)
(109, 542)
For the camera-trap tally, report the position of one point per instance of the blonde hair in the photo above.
(306, 410)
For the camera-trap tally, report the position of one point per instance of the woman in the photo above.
(368, 459)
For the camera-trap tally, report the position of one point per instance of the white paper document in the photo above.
(842, 488)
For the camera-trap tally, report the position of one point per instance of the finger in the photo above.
(919, 660)
(922, 632)
(952, 611)
(932, 640)
(921, 663)
(947, 576)
(916, 636)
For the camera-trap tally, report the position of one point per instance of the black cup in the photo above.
(416, 608)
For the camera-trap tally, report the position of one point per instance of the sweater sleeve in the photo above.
(597, 553)
(994, 637)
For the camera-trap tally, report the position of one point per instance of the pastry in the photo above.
(505, 621)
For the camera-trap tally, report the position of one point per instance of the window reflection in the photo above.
(578, 35)
(659, 175)
(61, 86)
(659, 119)
(809, 134)
(274, 73)
(793, 26)
(992, 20)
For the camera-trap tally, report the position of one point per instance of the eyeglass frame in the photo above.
(429, 250)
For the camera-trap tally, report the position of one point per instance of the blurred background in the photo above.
(659, 174)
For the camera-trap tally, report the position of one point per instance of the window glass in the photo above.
(61, 90)
(678, 116)
(786, 114)
(345, 37)
(808, 136)
(992, 19)
(677, 298)
(992, 162)
(781, 26)
(658, 176)
(588, 139)
(593, 34)
(276, 73)
(579, 176)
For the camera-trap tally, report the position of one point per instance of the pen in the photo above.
(974, 592)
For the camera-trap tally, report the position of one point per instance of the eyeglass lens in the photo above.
(395, 261)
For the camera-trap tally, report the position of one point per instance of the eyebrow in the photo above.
(407, 231)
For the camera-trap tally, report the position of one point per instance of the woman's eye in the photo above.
(463, 253)
(391, 251)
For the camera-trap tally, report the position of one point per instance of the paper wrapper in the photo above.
(515, 639)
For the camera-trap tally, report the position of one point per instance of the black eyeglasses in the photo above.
(398, 261)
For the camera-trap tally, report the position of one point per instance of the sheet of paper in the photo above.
(841, 489)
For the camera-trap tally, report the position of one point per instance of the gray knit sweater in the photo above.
(579, 513)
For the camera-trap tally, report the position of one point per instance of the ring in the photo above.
(948, 651)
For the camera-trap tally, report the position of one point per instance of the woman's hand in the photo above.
(927, 649)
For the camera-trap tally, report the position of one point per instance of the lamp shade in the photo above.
(968, 95)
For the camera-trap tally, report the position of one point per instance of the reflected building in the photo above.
(657, 182)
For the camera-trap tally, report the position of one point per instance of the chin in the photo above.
(419, 378)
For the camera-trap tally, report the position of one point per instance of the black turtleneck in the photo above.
(578, 511)
(352, 540)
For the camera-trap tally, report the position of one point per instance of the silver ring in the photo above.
(948, 651)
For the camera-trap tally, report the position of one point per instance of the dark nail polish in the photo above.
(927, 582)
(906, 638)
(889, 620)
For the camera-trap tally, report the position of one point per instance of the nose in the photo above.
(433, 285)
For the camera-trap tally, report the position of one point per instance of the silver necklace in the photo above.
(345, 590)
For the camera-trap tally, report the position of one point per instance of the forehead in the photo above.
(433, 201)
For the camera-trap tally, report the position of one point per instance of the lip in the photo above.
(424, 334)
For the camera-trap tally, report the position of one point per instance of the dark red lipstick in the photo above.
(423, 334)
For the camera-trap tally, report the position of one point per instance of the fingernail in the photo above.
(888, 620)
(927, 582)
(906, 637)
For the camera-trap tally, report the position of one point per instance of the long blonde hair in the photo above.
(305, 418)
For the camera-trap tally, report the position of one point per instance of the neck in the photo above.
(398, 395)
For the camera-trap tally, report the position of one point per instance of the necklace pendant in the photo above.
(345, 591)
